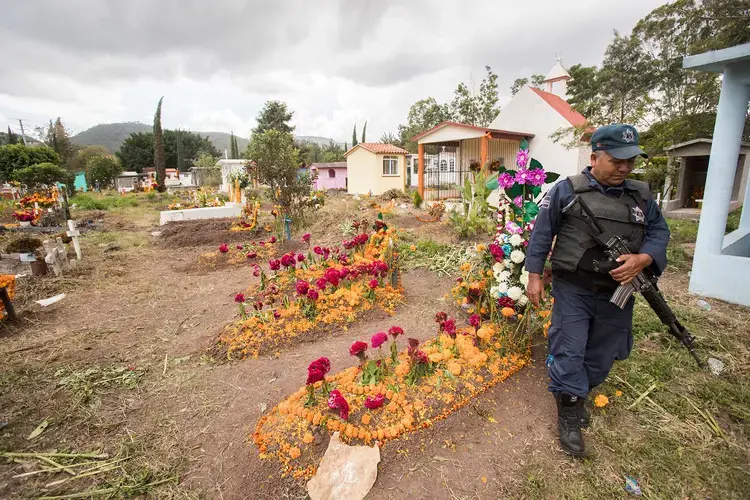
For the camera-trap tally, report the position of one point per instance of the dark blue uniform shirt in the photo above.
(550, 217)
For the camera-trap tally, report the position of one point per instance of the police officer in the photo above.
(588, 333)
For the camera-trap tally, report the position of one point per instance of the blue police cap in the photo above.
(620, 141)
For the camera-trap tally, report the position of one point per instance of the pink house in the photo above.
(329, 175)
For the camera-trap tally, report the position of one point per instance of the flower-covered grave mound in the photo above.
(389, 393)
(304, 293)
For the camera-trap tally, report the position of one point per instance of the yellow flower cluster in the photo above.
(8, 281)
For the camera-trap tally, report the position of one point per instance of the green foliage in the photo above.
(311, 152)
(159, 160)
(423, 115)
(205, 160)
(42, 175)
(389, 138)
(92, 201)
(364, 131)
(8, 138)
(57, 137)
(102, 170)
(239, 176)
(518, 83)
(274, 116)
(82, 156)
(234, 152)
(137, 152)
(17, 156)
(417, 199)
(354, 135)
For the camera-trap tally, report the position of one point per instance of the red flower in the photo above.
(302, 287)
(373, 283)
(421, 357)
(497, 252)
(413, 344)
(300, 257)
(240, 247)
(306, 237)
(337, 402)
(288, 260)
(395, 331)
(475, 320)
(358, 349)
(373, 403)
(272, 240)
(223, 248)
(274, 264)
(239, 298)
(258, 305)
(378, 339)
(276, 314)
(251, 255)
(312, 294)
(256, 272)
(440, 318)
(344, 259)
(506, 302)
(314, 374)
(318, 250)
(321, 283)
(379, 224)
(322, 364)
(450, 327)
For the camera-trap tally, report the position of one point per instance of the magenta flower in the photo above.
(358, 349)
(523, 176)
(396, 331)
(251, 255)
(372, 403)
(337, 402)
(318, 250)
(475, 320)
(223, 248)
(306, 237)
(274, 264)
(373, 283)
(522, 158)
(240, 247)
(272, 240)
(538, 176)
(302, 287)
(321, 283)
(239, 298)
(378, 339)
(300, 257)
(513, 228)
(518, 201)
(312, 294)
(256, 272)
(505, 180)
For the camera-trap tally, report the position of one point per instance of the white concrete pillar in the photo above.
(725, 150)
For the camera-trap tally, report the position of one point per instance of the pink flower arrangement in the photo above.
(497, 252)
(337, 402)
(513, 228)
(505, 180)
(378, 339)
(522, 158)
(522, 176)
(518, 201)
(537, 177)
(374, 402)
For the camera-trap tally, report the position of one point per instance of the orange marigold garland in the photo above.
(8, 281)
(251, 211)
(386, 396)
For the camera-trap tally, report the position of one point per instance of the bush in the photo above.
(394, 194)
(89, 201)
(18, 156)
(102, 170)
(417, 199)
(41, 175)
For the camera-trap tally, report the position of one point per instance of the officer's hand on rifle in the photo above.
(535, 289)
(630, 265)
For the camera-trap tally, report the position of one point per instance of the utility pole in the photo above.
(23, 134)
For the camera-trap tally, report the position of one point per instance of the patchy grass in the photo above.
(428, 254)
(690, 435)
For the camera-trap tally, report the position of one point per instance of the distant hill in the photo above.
(112, 135)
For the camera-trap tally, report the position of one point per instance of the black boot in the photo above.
(584, 417)
(568, 423)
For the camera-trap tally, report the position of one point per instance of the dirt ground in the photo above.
(187, 417)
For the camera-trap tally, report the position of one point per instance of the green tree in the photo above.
(423, 115)
(536, 81)
(205, 160)
(389, 138)
(274, 116)
(160, 163)
(102, 170)
(137, 152)
(583, 90)
(277, 165)
(82, 156)
(234, 152)
(487, 108)
(42, 175)
(18, 156)
(354, 135)
(364, 131)
(57, 137)
(9, 138)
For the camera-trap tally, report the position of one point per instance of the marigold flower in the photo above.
(507, 312)
(372, 403)
(480, 248)
(239, 298)
(601, 400)
(413, 248)
(312, 294)
(395, 331)
(618, 393)
(223, 248)
(378, 339)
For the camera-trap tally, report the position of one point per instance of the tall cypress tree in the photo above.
(160, 162)
(354, 136)
(11, 136)
(346, 147)
(231, 145)
(364, 131)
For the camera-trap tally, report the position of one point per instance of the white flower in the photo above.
(498, 267)
(507, 263)
(503, 276)
(516, 240)
(502, 287)
(515, 293)
(523, 300)
(517, 256)
(524, 279)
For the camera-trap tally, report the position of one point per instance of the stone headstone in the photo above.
(74, 234)
(52, 257)
(345, 473)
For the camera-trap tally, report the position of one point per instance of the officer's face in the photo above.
(608, 170)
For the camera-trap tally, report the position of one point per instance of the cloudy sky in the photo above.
(335, 62)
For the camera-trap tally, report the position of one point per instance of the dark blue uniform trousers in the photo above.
(587, 335)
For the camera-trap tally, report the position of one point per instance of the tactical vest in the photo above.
(576, 249)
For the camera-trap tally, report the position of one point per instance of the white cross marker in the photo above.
(74, 234)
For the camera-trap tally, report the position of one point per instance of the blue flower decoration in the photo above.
(507, 249)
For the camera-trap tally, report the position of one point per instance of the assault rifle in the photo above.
(645, 282)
